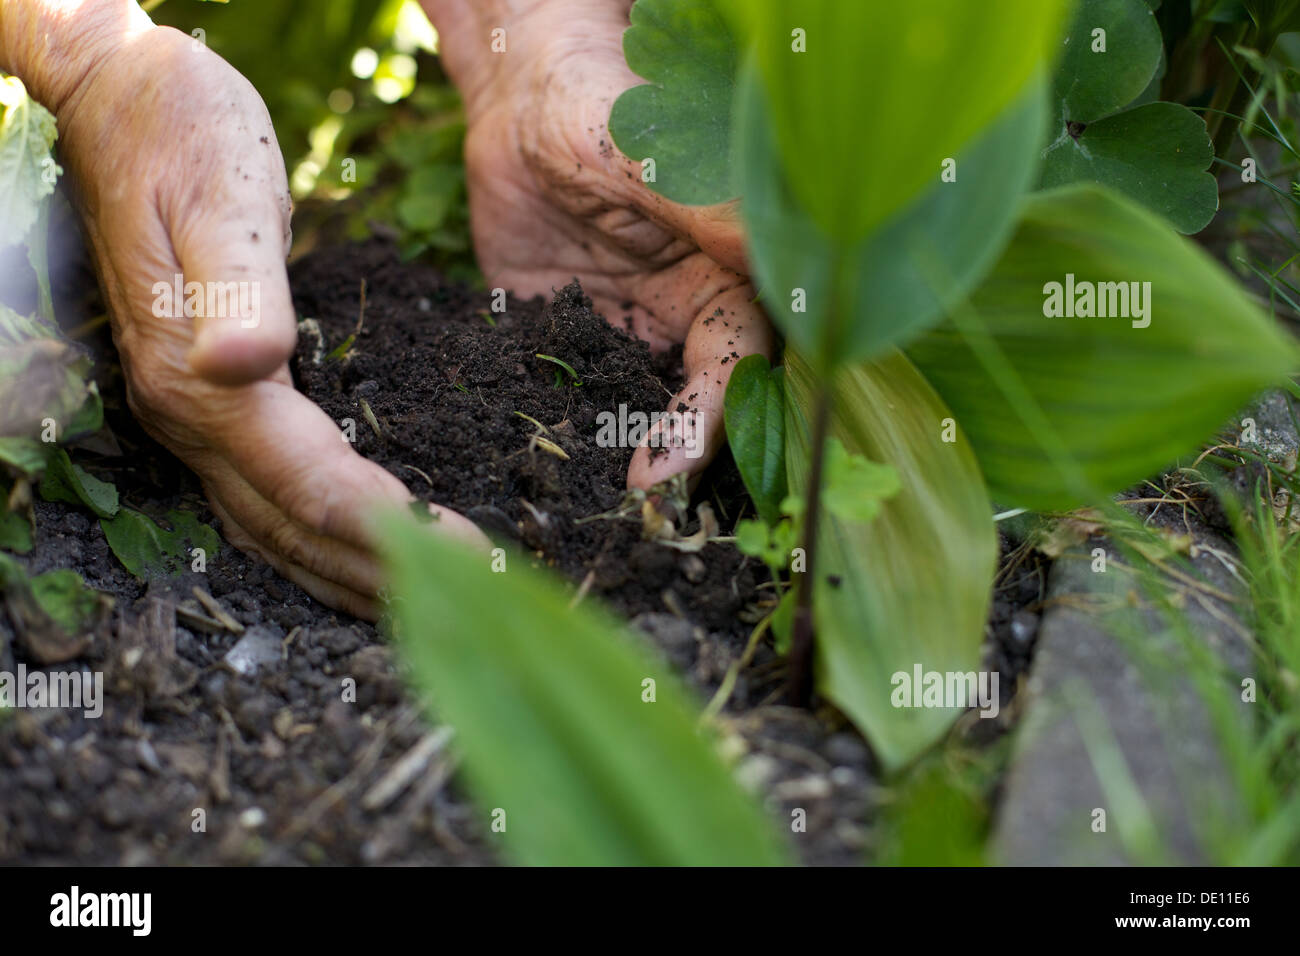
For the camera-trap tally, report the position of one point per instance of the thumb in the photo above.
(730, 327)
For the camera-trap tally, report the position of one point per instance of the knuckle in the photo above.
(290, 543)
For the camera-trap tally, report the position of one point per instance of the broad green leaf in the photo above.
(1157, 154)
(755, 415)
(681, 118)
(147, 549)
(27, 170)
(868, 98)
(547, 703)
(1092, 82)
(886, 291)
(65, 599)
(64, 481)
(1117, 403)
(912, 587)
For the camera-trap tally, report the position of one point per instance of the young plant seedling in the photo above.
(563, 367)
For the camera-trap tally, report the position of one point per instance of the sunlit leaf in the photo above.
(866, 296)
(1117, 402)
(868, 98)
(912, 587)
(27, 169)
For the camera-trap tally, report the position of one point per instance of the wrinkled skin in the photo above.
(177, 171)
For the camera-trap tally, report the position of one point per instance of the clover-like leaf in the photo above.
(681, 119)
(1108, 129)
(1157, 154)
(856, 486)
(1112, 51)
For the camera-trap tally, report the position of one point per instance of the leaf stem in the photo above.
(799, 683)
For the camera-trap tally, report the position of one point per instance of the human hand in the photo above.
(177, 173)
(551, 197)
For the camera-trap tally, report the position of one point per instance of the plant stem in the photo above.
(799, 683)
(1225, 85)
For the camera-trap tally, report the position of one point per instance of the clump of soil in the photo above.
(448, 382)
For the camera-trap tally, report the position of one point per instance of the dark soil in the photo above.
(260, 740)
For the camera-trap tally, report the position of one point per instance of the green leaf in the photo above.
(27, 170)
(1091, 83)
(755, 415)
(1076, 408)
(885, 91)
(1274, 17)
(753, 538)
(148, 550)
(429, 196)
(682, 117)
(88, 419)
(1157, 154)
(16, 329)
(26, 456)
(886, 291)
(65, 599)
(64, 481)
(15, 532)
(855, 487)
(914, 585)
(547, 702)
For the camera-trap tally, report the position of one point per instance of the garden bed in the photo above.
(261, 741)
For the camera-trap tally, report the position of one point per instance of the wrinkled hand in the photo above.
(551, 198)
(178, 172)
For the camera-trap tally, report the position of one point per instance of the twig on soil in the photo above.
(217, 611)
(583, 588)
(427, 479)
(407, 768)
(341, 789)
(342, 350)
(729, 680)
(289, 639)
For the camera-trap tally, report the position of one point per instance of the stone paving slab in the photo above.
(1104, 662)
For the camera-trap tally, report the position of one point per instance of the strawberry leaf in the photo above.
(681, 119)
